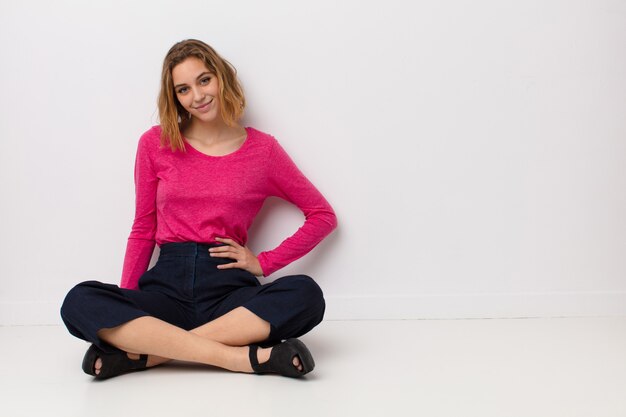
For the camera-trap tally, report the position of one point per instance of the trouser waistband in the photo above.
(187, 248)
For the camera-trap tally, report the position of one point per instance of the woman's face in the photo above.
(197, 89)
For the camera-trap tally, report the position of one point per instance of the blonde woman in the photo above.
(200, 180)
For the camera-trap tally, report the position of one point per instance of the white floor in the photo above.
(524, 367)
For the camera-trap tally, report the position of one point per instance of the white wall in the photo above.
(474, 151)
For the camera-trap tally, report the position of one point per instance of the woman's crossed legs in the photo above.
(222, 342)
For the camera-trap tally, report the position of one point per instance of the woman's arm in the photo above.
(141, 241)
(289, 183)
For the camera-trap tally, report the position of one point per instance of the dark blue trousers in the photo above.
(186, 289)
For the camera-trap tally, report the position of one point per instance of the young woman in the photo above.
(200, 180)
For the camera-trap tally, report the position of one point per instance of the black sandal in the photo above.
(113, 364)
(281, 359)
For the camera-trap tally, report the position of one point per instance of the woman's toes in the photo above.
(297, 364)
(97, 366)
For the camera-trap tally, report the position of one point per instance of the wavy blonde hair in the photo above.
(171, 112)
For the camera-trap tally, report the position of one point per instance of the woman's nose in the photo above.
(198, 95)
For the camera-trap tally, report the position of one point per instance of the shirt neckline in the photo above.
(193, 150)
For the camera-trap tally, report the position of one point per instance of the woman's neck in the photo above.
(209, 133)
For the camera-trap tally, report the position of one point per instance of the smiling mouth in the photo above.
(204, 105)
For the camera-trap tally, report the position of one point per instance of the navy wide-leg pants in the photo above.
(186, 289)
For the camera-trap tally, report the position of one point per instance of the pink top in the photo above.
(192, 196)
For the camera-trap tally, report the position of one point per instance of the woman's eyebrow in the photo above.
(197, 78)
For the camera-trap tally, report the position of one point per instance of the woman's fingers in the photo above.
(228, 242)
(231, 249)
(224, 254)
(242, 256)
(230, 265)
(221, 249)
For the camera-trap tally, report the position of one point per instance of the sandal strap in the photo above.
(259, 368)
(254, 360)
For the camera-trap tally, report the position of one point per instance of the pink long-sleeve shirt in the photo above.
(195, 197)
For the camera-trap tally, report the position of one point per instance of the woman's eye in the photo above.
(182, 90)
(205, 80)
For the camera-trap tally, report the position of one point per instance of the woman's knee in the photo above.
(310, 295)
(312, 303)
(76, 298)
(308, 288)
